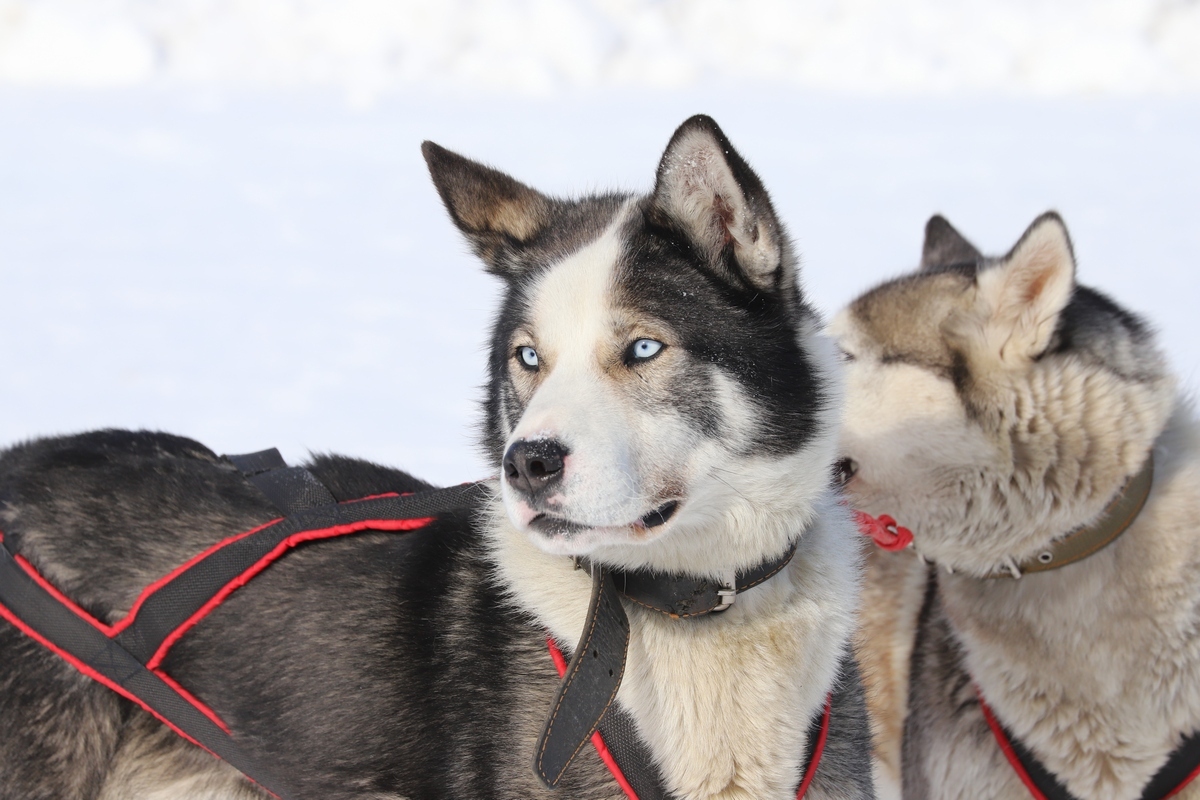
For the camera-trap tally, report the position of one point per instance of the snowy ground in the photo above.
(542, 47)
(258, 268)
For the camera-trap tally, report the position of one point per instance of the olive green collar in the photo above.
(1122, 510)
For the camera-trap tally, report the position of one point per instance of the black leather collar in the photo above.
(594, 674)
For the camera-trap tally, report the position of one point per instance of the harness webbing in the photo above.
(617, 743)
(1181, 767)
(27, 603)
(126, 656)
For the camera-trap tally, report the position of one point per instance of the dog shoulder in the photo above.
(840, 773)
(948, 751)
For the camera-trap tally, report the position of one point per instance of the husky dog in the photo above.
(659, 400)
(1006, 414)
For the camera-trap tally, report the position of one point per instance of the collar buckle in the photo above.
(728, 591)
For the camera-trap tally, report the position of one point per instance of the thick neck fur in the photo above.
(1096, 666)
(1061, 440)
(723, 701)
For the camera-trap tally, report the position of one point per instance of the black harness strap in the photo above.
(290, 489)
(1181, 767)
(632, 755)
(163, 612)
(126, 662)
(637, 766)
(590, 684)
(32, 608)
(124, 656)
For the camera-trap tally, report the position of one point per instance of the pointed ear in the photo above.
(497, 213)
(945, 246)
(1023, 295)
(708, 192)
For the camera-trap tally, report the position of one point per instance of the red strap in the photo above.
(1191, 777)
(1007, 748)
(560, 664)
(818, 749)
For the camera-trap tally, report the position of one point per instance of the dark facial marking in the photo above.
(750, 334)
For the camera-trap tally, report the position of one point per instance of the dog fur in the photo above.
(385, 666)
(995, 405)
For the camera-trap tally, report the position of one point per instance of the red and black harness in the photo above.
(1181, 767)
(1183, 764)
(127, 656)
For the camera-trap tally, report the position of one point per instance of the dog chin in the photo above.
(561, 536)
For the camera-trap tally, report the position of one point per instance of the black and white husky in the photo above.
(659, 401)
(1028, 430)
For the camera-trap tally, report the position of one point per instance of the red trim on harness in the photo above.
(1019, 768)
(229, 588)
(93, 674)
(1191, 777)
(376, 497)
(53, 591)
(191, 698)
(560, 664)
(1007, 748)
(265, 561)
(818, 749)
(164, 580)
(170, 576)
(32, 572)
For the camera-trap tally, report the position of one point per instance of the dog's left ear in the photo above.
(1023, 294)
(498, 214)
(706, 190)
(944, 246)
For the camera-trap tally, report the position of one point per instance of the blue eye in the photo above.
(528, 357)
(644, 349)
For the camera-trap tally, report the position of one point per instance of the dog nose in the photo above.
(533, 465)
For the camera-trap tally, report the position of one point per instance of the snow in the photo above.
(546, 47)
(215, 220)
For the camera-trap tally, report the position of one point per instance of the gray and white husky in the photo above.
(1005, 413)
(659, 399)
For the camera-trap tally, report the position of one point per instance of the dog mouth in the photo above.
(551, 525)
(658, 516)
(844, 471)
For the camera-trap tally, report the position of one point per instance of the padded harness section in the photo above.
(1180, 769)
(124, 657)
(290, 489)
(30, 607)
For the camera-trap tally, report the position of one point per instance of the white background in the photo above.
(214, 217)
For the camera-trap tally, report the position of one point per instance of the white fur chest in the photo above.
(724, 702)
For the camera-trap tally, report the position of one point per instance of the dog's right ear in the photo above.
(945, 246)
(706, 190)
(1023, 295)
(498, 214)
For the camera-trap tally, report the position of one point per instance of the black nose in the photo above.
(533, 465)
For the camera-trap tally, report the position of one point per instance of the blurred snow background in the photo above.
(214, 218)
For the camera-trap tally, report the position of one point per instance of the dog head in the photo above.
(994, 404)
(656, 383)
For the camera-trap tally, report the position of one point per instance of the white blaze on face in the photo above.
(903, 425)
(580, 403)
